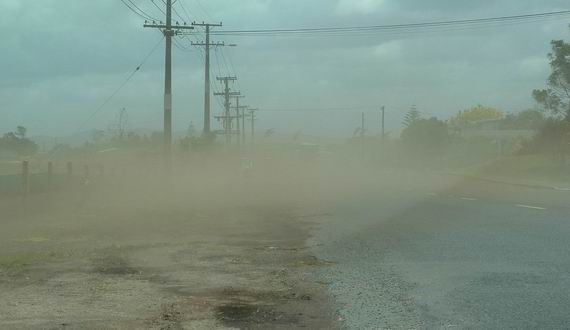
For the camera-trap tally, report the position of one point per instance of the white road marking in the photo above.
(531, 207)
(468, 199)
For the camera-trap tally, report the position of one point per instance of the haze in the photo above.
(264, 164)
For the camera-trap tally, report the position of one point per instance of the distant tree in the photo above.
(21, 132)
(426, 137)
(553, 138)
(527, 119)
(18, 143)
(198, 144)
(268, 133)
(476, 114)
(411, 117)
(556, 98)
(98, 136)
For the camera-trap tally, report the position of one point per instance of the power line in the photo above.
(158, 7)
(140, 10)
(225, 63)
(203, 9)
(207, 44)
(125, 82)
(213, 86)
(335, 109)
(181, 47)
(170, 30)
(135, 9)
(398, 27)
(232, 66)
(181, 2)
(175, 11)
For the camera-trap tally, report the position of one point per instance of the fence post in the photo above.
(50, 176)
(69, 171)
(86, 171)
(26, 178)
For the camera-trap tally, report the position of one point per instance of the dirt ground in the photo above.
(147, 254)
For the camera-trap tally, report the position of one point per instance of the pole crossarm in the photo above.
(226, 117)
(207, 24)
(165, 26)
(226, 78)
(229, 94)
(212, 44)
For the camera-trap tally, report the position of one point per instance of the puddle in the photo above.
(250, 307)
(240, 314)
(236, 312)
(114, 265)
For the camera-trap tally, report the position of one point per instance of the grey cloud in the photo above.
(70, 54)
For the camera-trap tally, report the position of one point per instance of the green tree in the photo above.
(411, 117)
(527, 119)
(476, 114)
(556, 98)
(21, 132)
(18, 143)
(426, 137)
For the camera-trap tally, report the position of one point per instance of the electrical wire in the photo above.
(204, 9)
(125, 82)
(158, 7)
(396, 27)
(233, 71)
(181, 47)
(213, 87)
(181, 3)
(141, 11)
(176, 13)
(135, 9)
(335, 109)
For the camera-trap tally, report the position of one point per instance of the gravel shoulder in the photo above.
(119, 257)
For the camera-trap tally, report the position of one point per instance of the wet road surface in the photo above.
(441, 254)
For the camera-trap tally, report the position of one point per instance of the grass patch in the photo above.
(18, 263)
(533, 168)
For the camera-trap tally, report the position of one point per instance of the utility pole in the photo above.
(238, 108)
(169, 31)
(227, 117)
(241, 109)
(253, 119)
(362, 127)
(243, 127)
(207, 45)
(383, 109)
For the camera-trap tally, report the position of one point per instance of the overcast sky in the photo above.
(61, 59)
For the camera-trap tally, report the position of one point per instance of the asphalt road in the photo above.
(439, 254)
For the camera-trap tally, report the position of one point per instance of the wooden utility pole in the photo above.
(169, 31)
(238, 116)
(207, 45)
(241, 109)
(227, 117)
(362, 128)
(252, 118)
(243, 127)
(383, 109)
